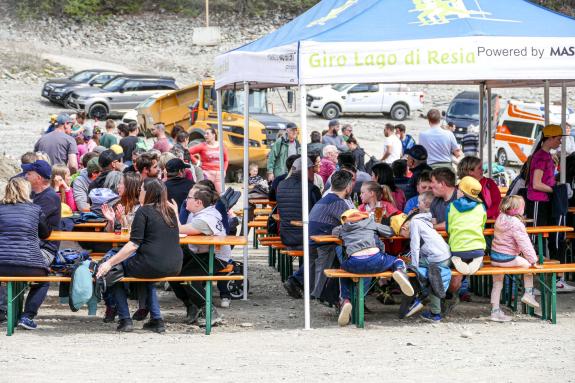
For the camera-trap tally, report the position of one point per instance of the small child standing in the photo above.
(511, 247)
(359, 233)
(429, 253)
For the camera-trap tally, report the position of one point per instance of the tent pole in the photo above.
(305, 207)
(245, 180)
(546, 101)
(221, 138)
(489, 128)
(481, 121)
(563, 160)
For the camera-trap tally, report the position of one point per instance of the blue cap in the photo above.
(62, 119)
(40, 166)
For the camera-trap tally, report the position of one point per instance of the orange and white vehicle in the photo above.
(518, 129)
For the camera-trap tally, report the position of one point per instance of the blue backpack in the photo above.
(81, 286)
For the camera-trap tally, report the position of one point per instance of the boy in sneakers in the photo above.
(430, 254)
(365, 255)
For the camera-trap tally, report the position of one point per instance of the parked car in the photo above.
(119, 95)
(394, 99)
(60, 94)
(54, 88)
(464, 111)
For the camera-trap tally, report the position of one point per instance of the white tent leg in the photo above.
(221, 137)
(305, 208)
(481, 121)
(563, 160)
(546, 101)
(489, 128)
(245, 180)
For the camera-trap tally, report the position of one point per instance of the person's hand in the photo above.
(174, 206)
(270, 177)
(108, 212)
(60, 183)
(120, 211)
(103, 269)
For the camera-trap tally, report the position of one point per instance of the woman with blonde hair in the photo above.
(61, 183)
(22, 223)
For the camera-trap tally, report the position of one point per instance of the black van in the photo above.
(464, 111)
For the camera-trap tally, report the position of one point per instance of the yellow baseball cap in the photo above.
(471, 188)
(397, 221)
(117, 149)
(353, 215)
(552, 131)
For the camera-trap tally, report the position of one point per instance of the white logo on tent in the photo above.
(434, 12)
(334, 13)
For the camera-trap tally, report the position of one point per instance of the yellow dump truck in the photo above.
(194, 108)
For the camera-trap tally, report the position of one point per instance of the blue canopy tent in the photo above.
(489, 43)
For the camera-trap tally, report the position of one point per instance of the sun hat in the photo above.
(471, 188)
(552, 131)
(117, 149)
(353, 215)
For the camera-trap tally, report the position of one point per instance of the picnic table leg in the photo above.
(353, 297)
(255, 239)
(10, 309)
(209, 291)
(360, 303)
(542, 278)
(553, 298)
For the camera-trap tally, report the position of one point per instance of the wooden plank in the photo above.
(262, 201)
(91, 225)
(80, 236)
(201, 278)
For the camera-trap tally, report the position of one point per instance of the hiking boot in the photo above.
(402, 280)
(430, 317)
(499, 316)
(155, 325)
(192, 313)
(216, 318)
(529, 300)
(225, 303)
(140, 314)
(27, 323)
(110, 315)
(125, 325)
(415, 307)
(344, 313)
(293, 288)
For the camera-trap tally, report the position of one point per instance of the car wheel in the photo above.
(501, 157)
(98, 111)
(330, 111)
(399, 112)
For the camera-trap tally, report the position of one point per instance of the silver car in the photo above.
(119, 95)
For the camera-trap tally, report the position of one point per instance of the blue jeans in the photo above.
(377, 263)
(121, 298)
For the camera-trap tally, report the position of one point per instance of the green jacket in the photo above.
(465, 223)
(278, 155)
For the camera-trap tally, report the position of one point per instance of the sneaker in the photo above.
(110, 315)
(192, 314)
(429, 316)
(415, 307)
(125, 325)
(344, 313)
(216, 318)
(140, 314)
(447, 305)
(499, 316)
(155, 325)
(529, 300)
(403, 281)
(225, 303)
(293, 289)
(564, 287)
(27, 323)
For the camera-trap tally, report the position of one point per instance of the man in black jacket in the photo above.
(177, 184)
(417, 163)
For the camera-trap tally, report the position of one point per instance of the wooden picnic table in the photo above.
(97, 226)
(262, 201)
(571, 210)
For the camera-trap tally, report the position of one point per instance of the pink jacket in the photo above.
(511, 238)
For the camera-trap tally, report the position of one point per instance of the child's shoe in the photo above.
(499, 316)
(403, 281)
(344, 313)
(415, 307)
(529, 300)
(27, 323)
(429, 316)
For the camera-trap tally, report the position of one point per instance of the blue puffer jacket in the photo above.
(21, 226)
(289, 205)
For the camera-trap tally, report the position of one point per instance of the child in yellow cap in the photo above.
(365, 255)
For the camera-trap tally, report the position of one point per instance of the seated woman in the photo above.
(21, 224)
(383, 175)
(490, 193)
(155, 241)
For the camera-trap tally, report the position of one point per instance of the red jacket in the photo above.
(491, 197)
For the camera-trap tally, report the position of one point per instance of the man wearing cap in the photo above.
(82, 183)
(108, 162)
(38, 174)
(59, 145)
(285, 146)
(332, 137)
(417, 163)
(177, 184)
(440, 143)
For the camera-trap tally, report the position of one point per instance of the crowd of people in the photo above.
(161, 191)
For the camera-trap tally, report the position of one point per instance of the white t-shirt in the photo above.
(440, 144)
(396, 148)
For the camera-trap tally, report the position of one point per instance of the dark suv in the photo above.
(58, 89)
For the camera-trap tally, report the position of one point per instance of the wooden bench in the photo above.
(16, 287)
(548, 290)
(261, 201)
(96, 226)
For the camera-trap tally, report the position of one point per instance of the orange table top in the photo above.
(87, 236)
(572, 210)
(261, 201)
(90, 225)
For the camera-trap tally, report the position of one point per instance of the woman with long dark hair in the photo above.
(209, 152)
(154, 239)
(382, 173)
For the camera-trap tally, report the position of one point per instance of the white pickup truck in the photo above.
(394, 99)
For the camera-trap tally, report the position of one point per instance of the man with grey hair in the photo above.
(162, 143)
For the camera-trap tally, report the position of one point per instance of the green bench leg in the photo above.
(10, 309)
(209, 292)
(553, 298)
(360, 303)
